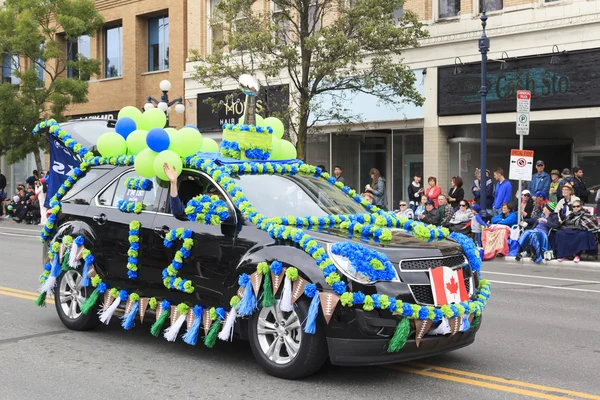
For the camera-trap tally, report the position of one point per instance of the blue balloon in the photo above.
(125, 126)
(192, 126)
(158, 139)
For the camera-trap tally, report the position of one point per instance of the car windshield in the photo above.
(298, 196)
(87, 132)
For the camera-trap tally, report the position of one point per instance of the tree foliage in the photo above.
(34, 35)
(325, 48)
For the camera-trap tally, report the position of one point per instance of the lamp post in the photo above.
(164, 104)
(484, 47)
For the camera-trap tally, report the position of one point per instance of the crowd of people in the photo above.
(26, 205)
(553, 217)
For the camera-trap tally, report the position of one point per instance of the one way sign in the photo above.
(521, 165)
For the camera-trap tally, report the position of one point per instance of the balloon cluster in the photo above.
(281, 149)
(145, 136)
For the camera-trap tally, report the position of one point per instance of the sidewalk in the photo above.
(527, 260)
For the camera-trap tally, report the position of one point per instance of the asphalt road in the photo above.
(540, 338)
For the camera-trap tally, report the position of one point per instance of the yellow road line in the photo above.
(9, 289)
(506, 381)
(471, 382)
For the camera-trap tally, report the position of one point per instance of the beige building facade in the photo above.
(548, 47)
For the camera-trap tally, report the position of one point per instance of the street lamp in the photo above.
(164, 104)
(484, 47)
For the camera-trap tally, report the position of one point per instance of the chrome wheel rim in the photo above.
(279, 334)
(71, 294)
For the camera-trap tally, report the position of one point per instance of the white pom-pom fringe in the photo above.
(73, 255)
(226, 333)
(172, 331)
(107, 314)
(286, 298)
(48, 286)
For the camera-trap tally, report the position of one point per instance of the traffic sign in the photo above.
(523, 101)
(523, 124)
(521, 165)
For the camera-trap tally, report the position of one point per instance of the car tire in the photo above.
(68, 297)
(311, 349)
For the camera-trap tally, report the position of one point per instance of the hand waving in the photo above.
(170, 172)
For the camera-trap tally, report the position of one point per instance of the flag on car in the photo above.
(447, 285)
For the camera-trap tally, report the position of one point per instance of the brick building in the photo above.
(441, 138)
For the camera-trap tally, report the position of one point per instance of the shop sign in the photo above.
(103, 115)
(230, 106)
(570, 81)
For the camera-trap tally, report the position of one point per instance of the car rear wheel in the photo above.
(281, 346)
(69, 297)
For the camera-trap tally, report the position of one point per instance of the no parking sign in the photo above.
(521, 165)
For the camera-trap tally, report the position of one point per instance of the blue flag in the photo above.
(62, 164)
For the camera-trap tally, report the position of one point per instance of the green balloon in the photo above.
(260, 121)
(186, 141)
(276, 125)
(209, 146)
(136, 141)
(283, 150)
(169, 157)
(111, 144)
(152, 118)
(144, 163)
(131, 112)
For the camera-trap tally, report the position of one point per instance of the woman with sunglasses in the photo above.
(577, 234)
(461, 218)
(405, 211)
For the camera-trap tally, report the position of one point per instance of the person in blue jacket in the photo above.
(507, 216)
(540, 182)
(503, 191)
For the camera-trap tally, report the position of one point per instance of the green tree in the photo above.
(33, 41)
(328, 50)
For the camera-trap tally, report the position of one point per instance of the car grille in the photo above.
(452, 261)
(424, 295)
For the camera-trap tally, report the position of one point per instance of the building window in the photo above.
(38, 66)
(490, 5)
(449, 8)
(76, 49)
(113, 52)
(158, 43)
(10, 64)
(282, 22)
(215, 29)
(315, 15)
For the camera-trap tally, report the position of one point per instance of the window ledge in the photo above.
(162, 71)
(106, 79)
(448, 19)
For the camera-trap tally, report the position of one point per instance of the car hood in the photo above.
(402, 245)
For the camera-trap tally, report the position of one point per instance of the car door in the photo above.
(213, 257)
(112, 228)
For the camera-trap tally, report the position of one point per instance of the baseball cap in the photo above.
(428, 202)
(539, 162)
(541, 193)
(525, 192)
(476, 208)
(566, 171)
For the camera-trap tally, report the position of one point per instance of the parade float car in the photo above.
(272, 251)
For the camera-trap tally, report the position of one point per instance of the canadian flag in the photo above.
(448, 286)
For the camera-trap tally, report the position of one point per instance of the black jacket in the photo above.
(458, 194)
(431, 218)
(2, 182)
(581, 190)
(412, 190)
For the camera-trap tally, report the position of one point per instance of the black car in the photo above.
(222, 252)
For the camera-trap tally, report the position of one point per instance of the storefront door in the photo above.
(373, 154)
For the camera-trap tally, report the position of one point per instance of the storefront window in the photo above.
(345, 153)
(158, 43)
(317, 150)
(407, 161)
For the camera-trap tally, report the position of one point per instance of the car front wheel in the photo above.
(281, 346)
(69, 297)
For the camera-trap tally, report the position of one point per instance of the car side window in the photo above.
(117, 191)
(190, 185)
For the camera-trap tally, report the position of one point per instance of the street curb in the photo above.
(528, 260)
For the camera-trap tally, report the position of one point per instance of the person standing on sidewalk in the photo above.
(553, 194)
(433, 191)
(488, 192)
(337, 173)
(540, 182)
(3, 194)
(415, 191)
(503, 191)
(581, 189)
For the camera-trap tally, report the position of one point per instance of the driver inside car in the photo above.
(188, 189)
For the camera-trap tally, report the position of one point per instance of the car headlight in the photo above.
(344, 265)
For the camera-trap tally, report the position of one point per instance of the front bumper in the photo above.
(355, 352)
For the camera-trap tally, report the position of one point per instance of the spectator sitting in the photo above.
(526, 204)
(507, 216)
(565, 204)
(421, 208)
(445, 210)
(460, 219)
(577, 234)
(431, 216)
(540, 200)
(405, 211)
(19, 205)
(477, 224)
(32, 207)
(535, 241)
(566, 177)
